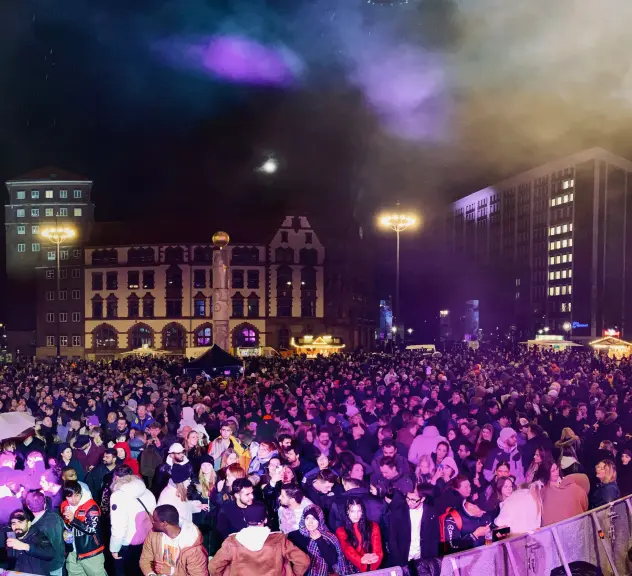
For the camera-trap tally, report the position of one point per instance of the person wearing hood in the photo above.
(87, 452)
(82, 515)
(424, 444)
(624, 472)
(174, 546)
(131, 506)
(261, 454)
(222, 442)
(506, 451)
(130, 410)
(176, 455)
(176, 493)
(124, 454)
(257, 550)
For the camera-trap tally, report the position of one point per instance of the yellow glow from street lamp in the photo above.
(58, 234)
(398, 221)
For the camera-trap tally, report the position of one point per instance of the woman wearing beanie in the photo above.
(176, 493)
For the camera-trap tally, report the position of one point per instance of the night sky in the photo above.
(169, 106)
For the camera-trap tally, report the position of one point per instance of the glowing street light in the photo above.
(398, 221)
(58, 235)
(270, 166)
(410, 331)
(567, 326)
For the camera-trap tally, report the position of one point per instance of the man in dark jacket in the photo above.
(231, 515)
(413, 536)
(96, 478)
(31, 547)
(375, 507)
(51, 524)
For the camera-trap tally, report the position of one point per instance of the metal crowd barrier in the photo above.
(600, 537)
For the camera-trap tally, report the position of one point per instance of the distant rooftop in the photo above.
(49, 173)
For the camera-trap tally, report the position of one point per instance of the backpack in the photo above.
(450, 512)
(150, 459)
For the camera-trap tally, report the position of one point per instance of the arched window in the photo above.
(284, 291)
(133, 306)
(253, 305)
(173, 337)
(284, 255)
(246, 336)
(238, 306)
(111, 306)
(104, 257)
(174, 277)
(148, 306)
(174, 255)
(140, 256)
(204, 336)
(308, 256)
(140, 336)
(203, 254)
(308, 278)
(104, 337)
(199, 305)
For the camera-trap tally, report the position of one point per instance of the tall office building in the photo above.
(45, 198)
(556, 241)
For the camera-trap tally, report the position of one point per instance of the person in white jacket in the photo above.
(425, 444)
(176, 494)
(131, 507)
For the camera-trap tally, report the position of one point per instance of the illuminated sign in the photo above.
(579, 325)
(612, 332)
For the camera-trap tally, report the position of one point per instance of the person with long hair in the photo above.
(176, 494)
(425, 470)
(203, 490)
(66, 458)
(360, 539)
(561, 498)
(224, 485)
(607, 489)
(502, 488)
(539, 456)
(320, 544)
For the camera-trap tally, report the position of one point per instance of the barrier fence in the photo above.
(600, 537)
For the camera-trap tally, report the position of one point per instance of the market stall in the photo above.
(317, 346)
(612, 344)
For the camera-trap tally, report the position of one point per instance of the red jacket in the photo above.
(354, 555)
(131, 462)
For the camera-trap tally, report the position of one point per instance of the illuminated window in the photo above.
(565, 228)
(34, 211)
(49, 212)
(565, 198)
(557, 290)
(35, 247)
(552, 201)
(20, 195)
(569, 307)
(570, 227)
(552, 246)
(558, 230)
(570, 197)
(63, 212)
(563, 273)
(563, 290)
(21, 229)
(563, 307)
(558, 200)
(564, 258)
(570, 257)
(558, 259)
(551, 275)
(570, 289)
(49, 194)
(551, 291)
(552, 231)
(564, 243)
(570, 243)
(77, 211)
(558, 244)
(20, 213)
(34, 193)
(552, 260)
(570, 273)
(557, 274)
(34, 229)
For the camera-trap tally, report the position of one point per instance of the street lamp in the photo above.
(410, 331)
(58, 235)
(397, 221)
(270, 166)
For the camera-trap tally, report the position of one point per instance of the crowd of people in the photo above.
(335, 465)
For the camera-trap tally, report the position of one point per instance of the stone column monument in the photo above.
(221, 293)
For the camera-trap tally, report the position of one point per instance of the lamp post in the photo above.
(58, 235)
(397, 221)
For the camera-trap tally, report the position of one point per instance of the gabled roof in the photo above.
(215, 357)
(49, 173)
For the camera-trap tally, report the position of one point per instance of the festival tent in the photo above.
(215, 362)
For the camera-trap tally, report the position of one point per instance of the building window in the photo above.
(77, 211)
(557, 290)
(76, 194)
(237, 281)
(63, 294)
(199, 278)
(308, 306)
(63, 193)
(284, 338)
(35, 247)
(97, 280)
(104, 338)
(21, 229)
(63, 254)
(34, 229)
(148, 279)
(563, 307)
(111, 306)
(308, 279)
(76, 316)
(173, 337)
(253, 306)
(111, 280)
(199, 306)
(133, 279)
(246, 338)
(34, 211)
(140, 256)
(148, 306)
(308, 237)
(20, 212)
(21, 247)
(563, 290)
(253, 279)
(174, 255)
(569, 183)
(204, 336)
(35, 194)
(76, 340)
(50, 340)
(557, 274)
(284, 255)
(133, 306)
(563, 273)
(238, 306)
(50, 274)
(50, 317)
(551, 275)
(76, 253)
(20, 195)
(63, 212)
(140, 337)
(63, 316)
(97, 308)
(63, 274)
(203, 254)
(284, 237)
(49, 212)
(51, 255)
(49, 194)
(50, 295)
(174, 277)
(174, 308)
(552, 260)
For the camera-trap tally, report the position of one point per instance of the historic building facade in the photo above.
(161, 295)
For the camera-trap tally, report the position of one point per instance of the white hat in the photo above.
(176, 448)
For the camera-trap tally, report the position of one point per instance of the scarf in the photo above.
(318, 566)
